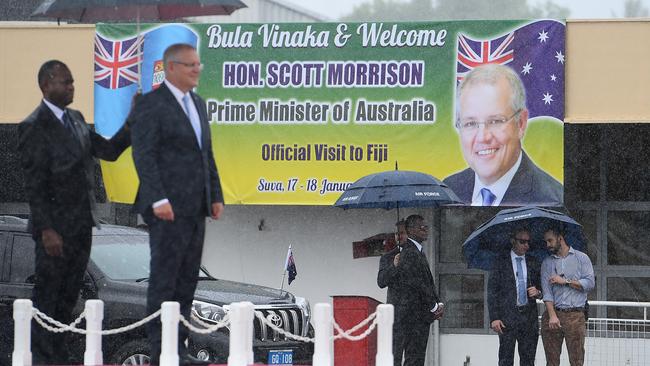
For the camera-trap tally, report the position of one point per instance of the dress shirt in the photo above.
(192, 114)
(58, 112)
(499, 187)
(524, 269)
(576, 266)
(418, 245)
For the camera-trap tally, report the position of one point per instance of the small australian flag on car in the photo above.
(290, 266)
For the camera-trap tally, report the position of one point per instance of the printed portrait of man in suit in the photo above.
(491, 121)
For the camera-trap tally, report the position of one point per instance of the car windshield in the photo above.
(124, 256)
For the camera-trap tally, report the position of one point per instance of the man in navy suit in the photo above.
(491, 121)
(513, 287)
(411, 290)
(179, 186)
(57, 150)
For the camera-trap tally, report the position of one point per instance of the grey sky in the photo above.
(582, 9)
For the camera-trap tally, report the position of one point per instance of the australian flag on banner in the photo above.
(290, 266)
(535, 51)
(116, 69)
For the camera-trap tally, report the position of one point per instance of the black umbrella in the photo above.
(493, 237)
(395, 189)
(92, 11)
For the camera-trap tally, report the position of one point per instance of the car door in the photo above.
(18, 274)
(16, 282)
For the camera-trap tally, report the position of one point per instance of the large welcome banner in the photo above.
(300, 111)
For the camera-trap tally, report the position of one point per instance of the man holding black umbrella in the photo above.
(513, 286)
(412, 292)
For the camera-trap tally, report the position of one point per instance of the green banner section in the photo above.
(300, 111)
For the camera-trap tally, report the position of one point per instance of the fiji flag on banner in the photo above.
(290, 266)
(535, 51)
(116, 70)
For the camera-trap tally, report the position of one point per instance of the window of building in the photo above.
(458, 223)
(464, 301)
(634, 289)
(628, 238)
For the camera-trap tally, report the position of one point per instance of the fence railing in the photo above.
(618, 335)
(239, 320)
(620, 340)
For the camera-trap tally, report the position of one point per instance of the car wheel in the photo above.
(132, 353)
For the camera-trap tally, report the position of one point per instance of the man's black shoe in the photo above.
(189, 360)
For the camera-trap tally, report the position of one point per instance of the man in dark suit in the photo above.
(179, 185)
(411, 290)
(492, 120)
(513, 287)
(57, 149)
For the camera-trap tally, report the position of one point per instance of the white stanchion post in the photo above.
(323, 342)
(22, 355)
(94, 316)
(169, 317)
(237, 355)
(249, 313)
(385, 318)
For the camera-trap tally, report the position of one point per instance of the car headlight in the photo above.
(209, 312)
(303, 304)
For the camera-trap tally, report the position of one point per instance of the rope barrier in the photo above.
(58, 327)
(41, 318)
(347, 334)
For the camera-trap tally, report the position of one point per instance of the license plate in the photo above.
(281, 357)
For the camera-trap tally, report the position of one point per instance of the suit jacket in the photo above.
(388, 276)
(502, 288)
(411, 288)
(168, 159)
(530, 185)
(60, 170)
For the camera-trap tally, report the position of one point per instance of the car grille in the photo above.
(289, 319)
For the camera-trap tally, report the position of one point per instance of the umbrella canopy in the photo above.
(493, 237)
(395, 189)
(91, 11)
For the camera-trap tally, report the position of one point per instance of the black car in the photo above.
(117, 274)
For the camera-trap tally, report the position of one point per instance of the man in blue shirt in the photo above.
(567, 277)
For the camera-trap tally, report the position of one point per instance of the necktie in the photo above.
(196, 125)
(67, 122)
(69, 125)
(522, 299)
(488, 197)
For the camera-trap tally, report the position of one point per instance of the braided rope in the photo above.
(42, 319)
(288, 335)
(207, 327)
(347, 334)
(56, 326)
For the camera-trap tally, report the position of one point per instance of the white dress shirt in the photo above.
(499, 187)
